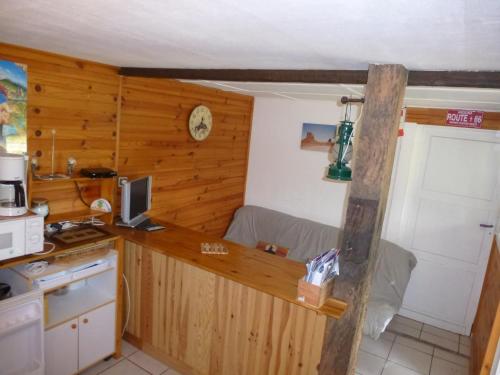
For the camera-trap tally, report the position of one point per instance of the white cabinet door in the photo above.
(61, 349)
(96, 335)
(451, 208)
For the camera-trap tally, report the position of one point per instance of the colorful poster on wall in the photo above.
(13, 104)
(318, 137)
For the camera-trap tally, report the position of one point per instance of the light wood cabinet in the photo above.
(96, 335)
(61, 349)
(75, 345)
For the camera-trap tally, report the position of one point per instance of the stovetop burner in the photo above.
(5, 291)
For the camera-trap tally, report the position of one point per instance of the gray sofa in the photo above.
(306, 239)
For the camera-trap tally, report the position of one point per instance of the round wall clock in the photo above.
(200, 123)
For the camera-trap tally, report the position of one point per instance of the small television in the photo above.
(136, 200)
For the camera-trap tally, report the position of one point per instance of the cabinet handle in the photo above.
(486, 225)
(85, 321)
(73, 326)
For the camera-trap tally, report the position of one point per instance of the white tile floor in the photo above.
(414, 348)
(409, 348)
(132, 362)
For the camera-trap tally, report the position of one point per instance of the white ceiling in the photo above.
(287, 34)
(431, 97)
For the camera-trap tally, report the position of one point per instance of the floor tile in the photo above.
(465, 340)
(411, 358)
(380, 347)
(464, 350)
(388, 336)
(439, 341)
(128, 349)
(442, 367)
(404, 329)
(148, 363)
(392, 368)
(125, 367)
(101, 366)
(451, 357)
(415, 344)
(408, 322)
(369, 364)
(171, 371)
(441, 333)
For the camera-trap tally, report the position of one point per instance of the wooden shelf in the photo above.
(72, 179)
(74, 216)
(74, 303)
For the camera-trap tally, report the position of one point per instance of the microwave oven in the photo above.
(20, 235)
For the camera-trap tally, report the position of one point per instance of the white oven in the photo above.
(21, 327)
(20, 235)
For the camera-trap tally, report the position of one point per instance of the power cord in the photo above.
(80, 193)
(52, 248)
(92, 221)
(128, 304)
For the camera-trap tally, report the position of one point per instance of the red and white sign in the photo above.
(464, 118)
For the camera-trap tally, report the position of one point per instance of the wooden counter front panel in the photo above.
(201, 323)
(485, 333)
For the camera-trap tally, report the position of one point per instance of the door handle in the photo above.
(486, 225)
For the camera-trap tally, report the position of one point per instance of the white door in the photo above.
(448, 217)
(96, 335)
(61, 349)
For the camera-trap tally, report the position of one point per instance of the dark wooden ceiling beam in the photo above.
(485, 79)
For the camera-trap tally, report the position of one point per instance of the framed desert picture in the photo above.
(318, 137)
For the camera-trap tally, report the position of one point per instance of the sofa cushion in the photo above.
(304, 238)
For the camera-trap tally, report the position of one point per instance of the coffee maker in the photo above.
(13, 185)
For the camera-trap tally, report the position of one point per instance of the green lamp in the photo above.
(343, 149)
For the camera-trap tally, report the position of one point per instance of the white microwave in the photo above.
(20, 235)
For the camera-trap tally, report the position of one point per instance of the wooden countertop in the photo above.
(265, 272)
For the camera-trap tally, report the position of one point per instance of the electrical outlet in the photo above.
(122, 181)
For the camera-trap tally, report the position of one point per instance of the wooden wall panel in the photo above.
(75, 97)
(78, 99)
(201, 323)
(437, 116)
(195, 184)
(485, 334)
(139, 127)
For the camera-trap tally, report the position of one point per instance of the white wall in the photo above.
(283, 177)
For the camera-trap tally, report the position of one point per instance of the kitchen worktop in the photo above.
(264, 272)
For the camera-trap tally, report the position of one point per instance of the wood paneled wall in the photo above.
(202, 323)
(485, 334)
(195, 184)
(78, 99)
(75, 97)
(139, 127)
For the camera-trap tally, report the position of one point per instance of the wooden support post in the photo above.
(373, 159)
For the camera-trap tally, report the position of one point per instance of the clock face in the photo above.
(200, 123)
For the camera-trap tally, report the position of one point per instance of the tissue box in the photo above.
(314, 295)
